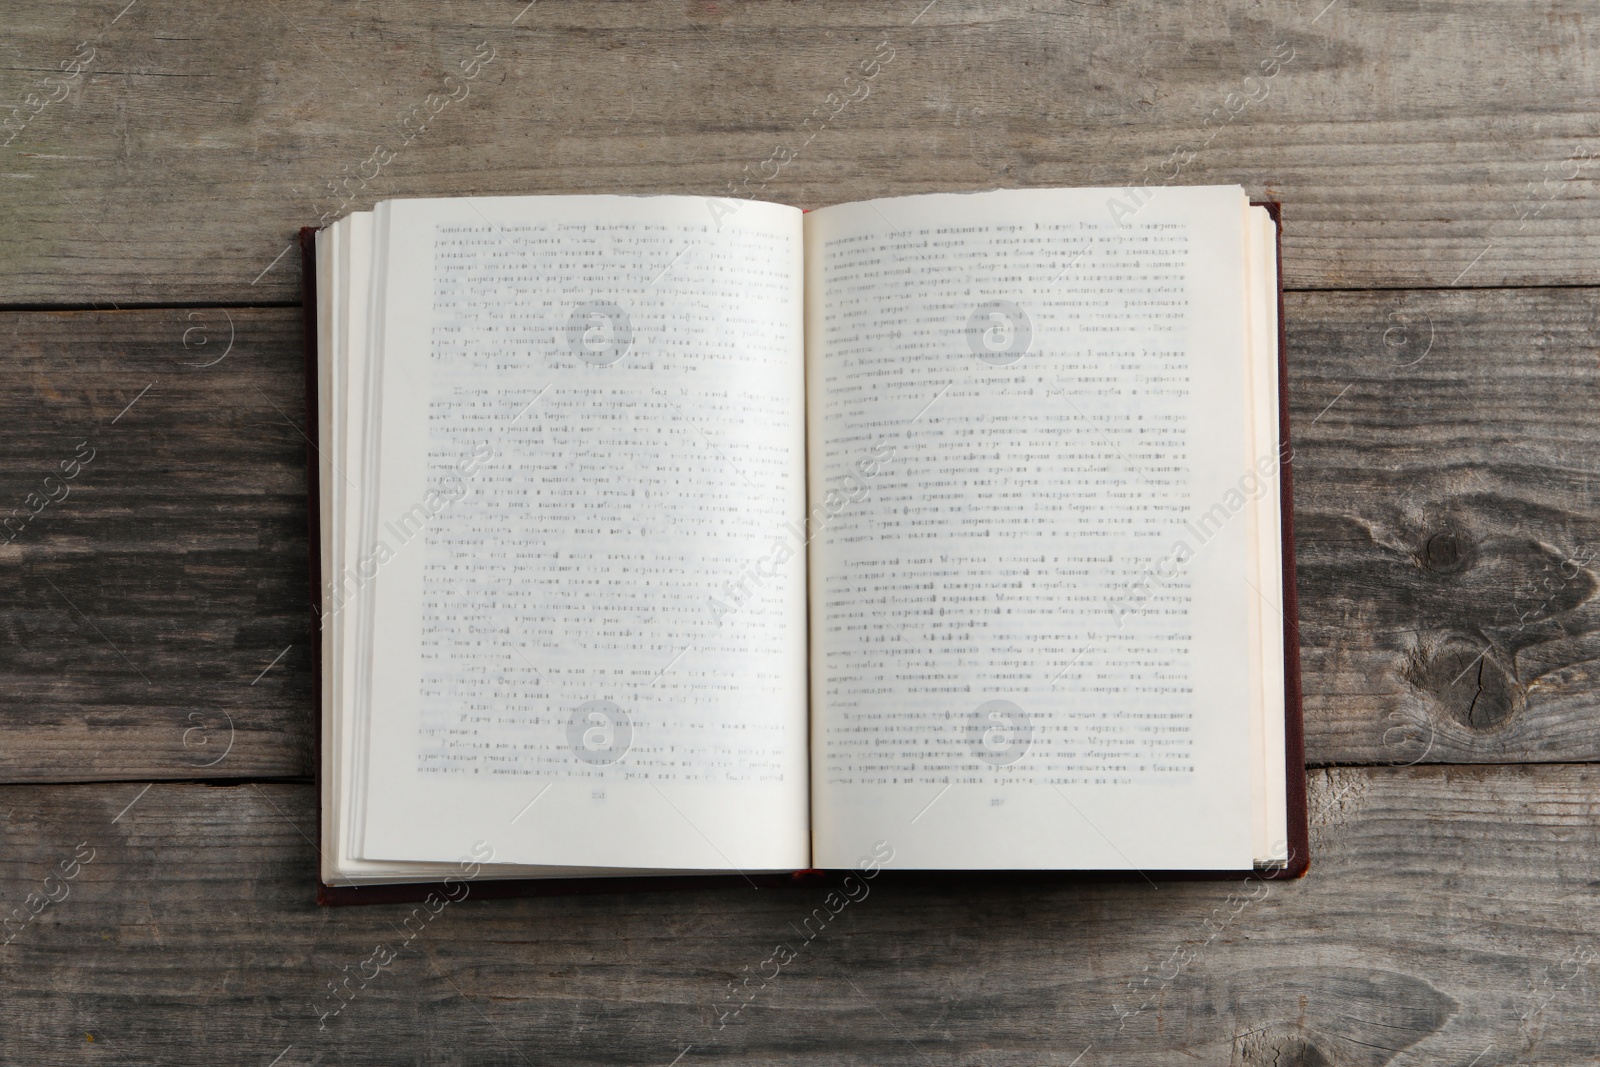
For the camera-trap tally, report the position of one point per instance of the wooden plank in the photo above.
(189, 937)
(153, 588)
(1446, 460)
(1411, 150)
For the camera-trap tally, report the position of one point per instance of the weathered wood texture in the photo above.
(143, 606)
(1447, 462)
(1445, 450)
(1414, 146)
(1449, 910)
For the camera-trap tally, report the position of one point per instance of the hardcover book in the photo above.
(660, 540)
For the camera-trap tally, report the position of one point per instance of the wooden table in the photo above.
(1437, 164)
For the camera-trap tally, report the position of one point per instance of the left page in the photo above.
(588, 642)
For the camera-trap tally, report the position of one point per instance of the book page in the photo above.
(1032, 496)
(588, 612)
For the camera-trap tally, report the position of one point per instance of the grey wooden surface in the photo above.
(1451, 910)
(1437, 165)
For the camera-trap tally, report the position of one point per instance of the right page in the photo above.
(1040, 618)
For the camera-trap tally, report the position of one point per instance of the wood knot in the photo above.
(1447, 552)
(1279, 1049)
(1332, 1015)
(1469, 682)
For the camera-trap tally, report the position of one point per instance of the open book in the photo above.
(665, 535)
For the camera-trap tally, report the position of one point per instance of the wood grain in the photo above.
(1407, 943)
(1411, 148)
(1446, 460)
(143, 607)
(1446, 463)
